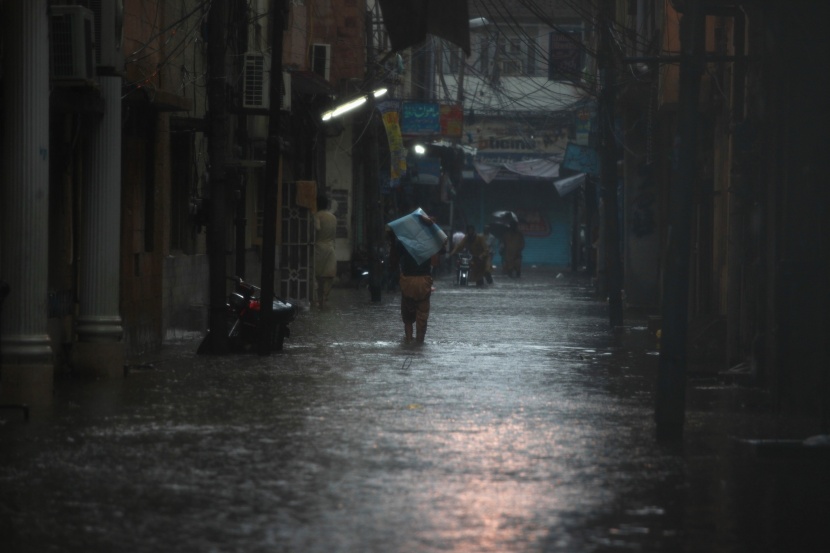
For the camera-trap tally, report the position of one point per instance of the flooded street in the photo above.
(523, 424)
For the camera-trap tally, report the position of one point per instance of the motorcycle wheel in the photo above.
(278, 338)
(235, 343)
(462, 279)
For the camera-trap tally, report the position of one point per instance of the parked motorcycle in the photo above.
(388, 280)
(462, 270)
(243, 313)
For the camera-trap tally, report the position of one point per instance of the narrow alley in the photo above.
(522, 425)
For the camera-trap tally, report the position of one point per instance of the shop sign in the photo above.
(581, 159)
(420, 118)
(452, 121)
(425, 170)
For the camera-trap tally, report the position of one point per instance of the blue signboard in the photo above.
(420, 118)
(426, 170)
(581, 159)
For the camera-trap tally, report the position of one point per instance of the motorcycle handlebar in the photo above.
(238, 280)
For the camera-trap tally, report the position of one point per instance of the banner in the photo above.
(391, 122)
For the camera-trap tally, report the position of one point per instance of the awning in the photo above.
(569, 184)
(537, 168)
(310, 83)
(161, 100)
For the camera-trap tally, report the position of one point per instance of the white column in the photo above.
(27, 370)
(99, 349)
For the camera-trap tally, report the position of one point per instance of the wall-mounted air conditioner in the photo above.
(256, 74)
(321, 60)
(71, 44)
(109, 35)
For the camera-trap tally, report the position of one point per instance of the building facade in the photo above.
(106, 166)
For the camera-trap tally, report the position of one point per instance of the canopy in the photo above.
(421, 237)
(409, 21)
(569, 184)
(539, 168)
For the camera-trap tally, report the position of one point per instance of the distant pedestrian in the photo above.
(513, 243)
(325, 260)
(492, 247)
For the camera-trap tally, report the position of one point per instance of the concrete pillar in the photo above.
(27, 370)
(99, 350)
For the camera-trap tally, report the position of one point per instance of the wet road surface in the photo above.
(523, 424)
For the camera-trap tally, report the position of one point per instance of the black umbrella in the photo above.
(506, 217)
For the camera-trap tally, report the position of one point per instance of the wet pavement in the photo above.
(522, 425)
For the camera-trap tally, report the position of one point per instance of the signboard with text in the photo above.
(581, 159)
(452, 121)
(566, 55)
(420, 118)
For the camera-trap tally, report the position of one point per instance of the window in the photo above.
(566, 54)
(450, 59)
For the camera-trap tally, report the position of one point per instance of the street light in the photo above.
(352, 104)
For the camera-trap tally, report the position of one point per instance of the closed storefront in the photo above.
(545, 218)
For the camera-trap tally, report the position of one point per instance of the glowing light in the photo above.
(343, 108)
(352, 104)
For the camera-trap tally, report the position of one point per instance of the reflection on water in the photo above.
(521, 425)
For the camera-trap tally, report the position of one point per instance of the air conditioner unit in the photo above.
(71, 44)
(109, 35)
(256, 75)
(321, 60)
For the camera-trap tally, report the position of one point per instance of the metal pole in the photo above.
(671, 377)
(608, 169)
(217, 117)
(375, 207)
(273, 186)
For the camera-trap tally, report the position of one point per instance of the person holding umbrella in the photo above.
(513, 243)
(415, 240)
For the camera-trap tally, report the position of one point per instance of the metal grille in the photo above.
(254, 94)
(63, 56)
(296, 248)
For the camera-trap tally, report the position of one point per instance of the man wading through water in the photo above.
(416, 288)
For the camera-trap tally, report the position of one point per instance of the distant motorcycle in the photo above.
(462, 271)
(243, 314)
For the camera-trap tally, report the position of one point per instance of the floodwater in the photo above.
(522, 425)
